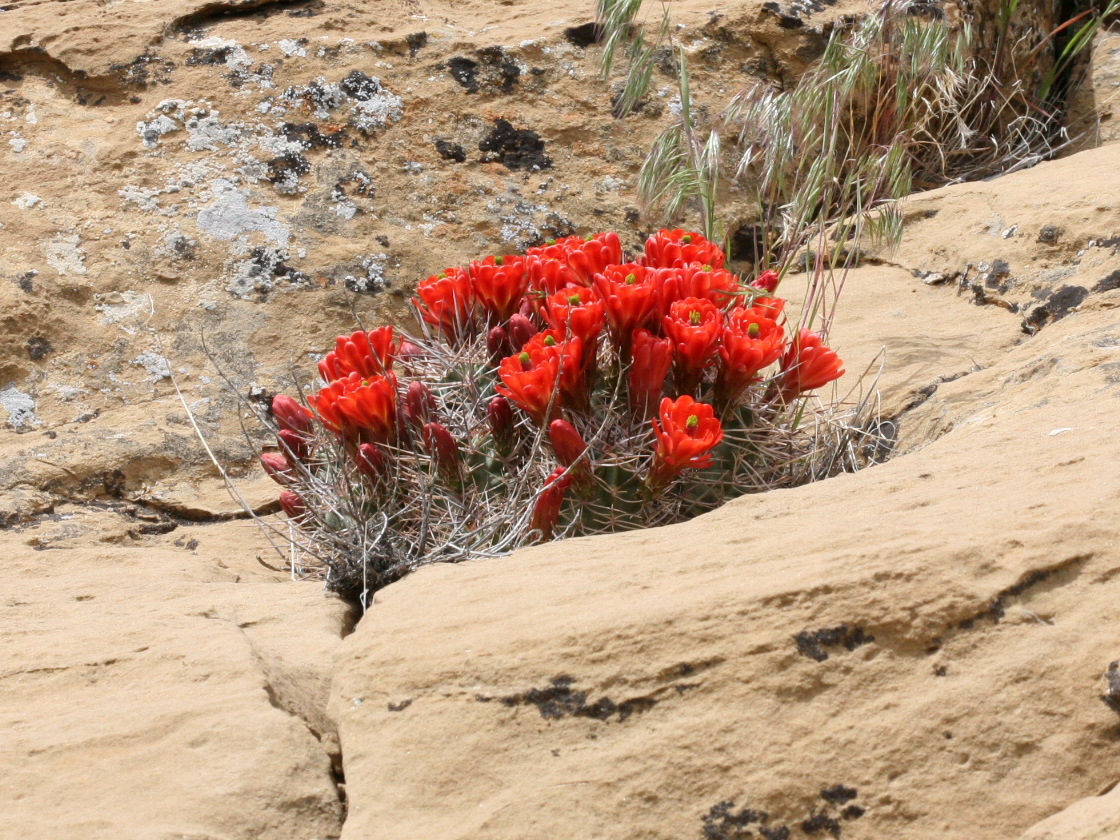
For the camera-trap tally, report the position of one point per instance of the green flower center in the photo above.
(631, 279)
(549, 341)
(754, 330)
(692, 422)
(497, 260)
(573, 300)
(694, 317)
(524, 358)
(705, 268)
(550, 242)
(686, 239)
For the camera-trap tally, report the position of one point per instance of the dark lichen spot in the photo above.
(561, 700)
(852, 812)
(25, 281)
(1111, 696)
(812, 643)
(360, 86)
(451, 151)
(514, 148)
(584, 35)
(1109, 283)
(838, 794)
(1058, 304)
(1049, 235)
(416, 41)
(284, 171)
(311, 137)
(722, 822)
(819, 821)
(465, 72)
(37, 348)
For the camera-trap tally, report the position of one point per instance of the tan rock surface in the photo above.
(963, 594)
(1094, 818)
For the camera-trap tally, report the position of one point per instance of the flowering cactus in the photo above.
(570, 390)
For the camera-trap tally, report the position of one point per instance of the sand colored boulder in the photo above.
(1094, 818)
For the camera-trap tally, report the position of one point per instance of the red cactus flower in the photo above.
(419, 404)
(370, 462)
(751, 341)
(294, 445)
(577, 308)
(771, 307)
(652, 358)
(277, 467)
(368, 354)
(694, 281)
(292, 505)
(806, 366)
(556, 249)
(629, 295)
(567, 443)
(767, 281)
(677, 248)
(594, 255)
(498, 284)
(445, 300)
(444, 451)
(290, 415)
(531, 377)
(546, 511)
(695, 326)
(686, 435)
(549, 274)
(368, 405)
(499, 414)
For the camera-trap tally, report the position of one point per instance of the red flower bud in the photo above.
(497, 343)
(499, 413)
(370, 461)
(419, 404)
(292, 505)
(806, 366)
(294, 446)
(546, 511)
(567, 443)
(277, 467)
(444, 451)
(767, 281)
(290, 415)
(651, 359)
(521, 329)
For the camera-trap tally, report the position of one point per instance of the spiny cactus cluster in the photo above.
(570, 390)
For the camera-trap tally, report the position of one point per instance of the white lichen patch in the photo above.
(207, 133)
(65, 255)
(155, 364)
(235, 56)
(18, 144)
(230, 216)
(291, 47)
(20, 407)
(26, 201)
(152, 130)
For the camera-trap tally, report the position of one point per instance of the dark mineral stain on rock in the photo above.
(561, 700)
(1109, 283)
(451, 151)
(465, 72)
(514, 148)
(37, 348)
(812, 643)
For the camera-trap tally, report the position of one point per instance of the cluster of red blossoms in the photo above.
(679, 335)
